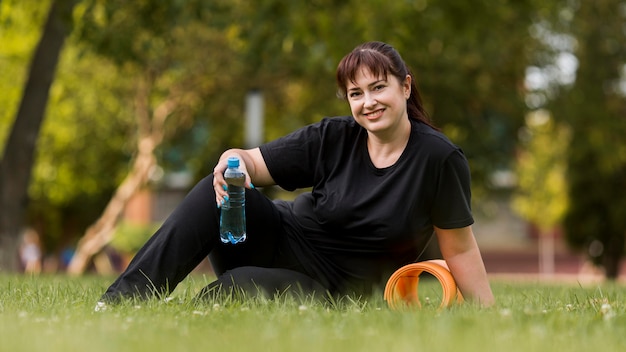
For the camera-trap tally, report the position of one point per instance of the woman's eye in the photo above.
(354, 94)
(379, 87)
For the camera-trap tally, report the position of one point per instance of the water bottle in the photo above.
(233, 214)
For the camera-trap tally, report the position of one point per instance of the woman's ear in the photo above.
(406, 85)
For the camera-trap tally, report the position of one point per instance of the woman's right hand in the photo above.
(219, 183)
(251, 163)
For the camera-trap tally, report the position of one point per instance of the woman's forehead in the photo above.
(364, 75)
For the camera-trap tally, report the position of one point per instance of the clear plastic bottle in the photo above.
(233, 214)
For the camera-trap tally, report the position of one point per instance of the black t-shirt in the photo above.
(359, 223)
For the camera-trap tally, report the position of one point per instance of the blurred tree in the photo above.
(18, 154)
(164, 48)
(541, 195)
(20, 29)
(594, 106)
(471, 70)
(84, 147)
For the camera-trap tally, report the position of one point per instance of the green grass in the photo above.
(55, 313)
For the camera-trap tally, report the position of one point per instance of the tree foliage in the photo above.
(541, 195)
(20, 28)
(595, 106)
(582, 61)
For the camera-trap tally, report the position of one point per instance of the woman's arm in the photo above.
(251, 163)
(461, 253)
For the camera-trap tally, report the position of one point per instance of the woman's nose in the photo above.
(370, 100)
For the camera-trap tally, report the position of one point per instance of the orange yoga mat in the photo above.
(402, 286)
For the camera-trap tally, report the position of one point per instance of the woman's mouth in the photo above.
(374, 114)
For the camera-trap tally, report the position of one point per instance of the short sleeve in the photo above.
(452, 203)
(292, 159)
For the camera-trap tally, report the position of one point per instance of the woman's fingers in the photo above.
(219, 184)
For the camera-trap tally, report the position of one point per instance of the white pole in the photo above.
(546, 253)
(254, 119)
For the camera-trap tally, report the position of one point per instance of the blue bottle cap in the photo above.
(233, 161)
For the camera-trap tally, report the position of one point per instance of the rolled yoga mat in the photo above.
(402, 287)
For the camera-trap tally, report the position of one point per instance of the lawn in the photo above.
(56, 313)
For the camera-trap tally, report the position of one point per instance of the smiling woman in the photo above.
(382, 181)
(379, 105)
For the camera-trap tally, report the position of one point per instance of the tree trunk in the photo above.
(100, 233)
(150, 130)
(17, 161)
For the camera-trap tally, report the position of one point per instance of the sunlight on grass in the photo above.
(55, 313)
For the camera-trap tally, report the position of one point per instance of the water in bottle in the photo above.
(233, 215)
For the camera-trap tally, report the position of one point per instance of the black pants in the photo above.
(191, 233)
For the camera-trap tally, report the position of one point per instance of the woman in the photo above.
(382, 180)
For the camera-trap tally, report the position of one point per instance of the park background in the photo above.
(111, 110)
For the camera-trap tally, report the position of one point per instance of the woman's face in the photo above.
(378, 104)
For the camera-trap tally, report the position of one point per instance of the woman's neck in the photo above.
(385, 149)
